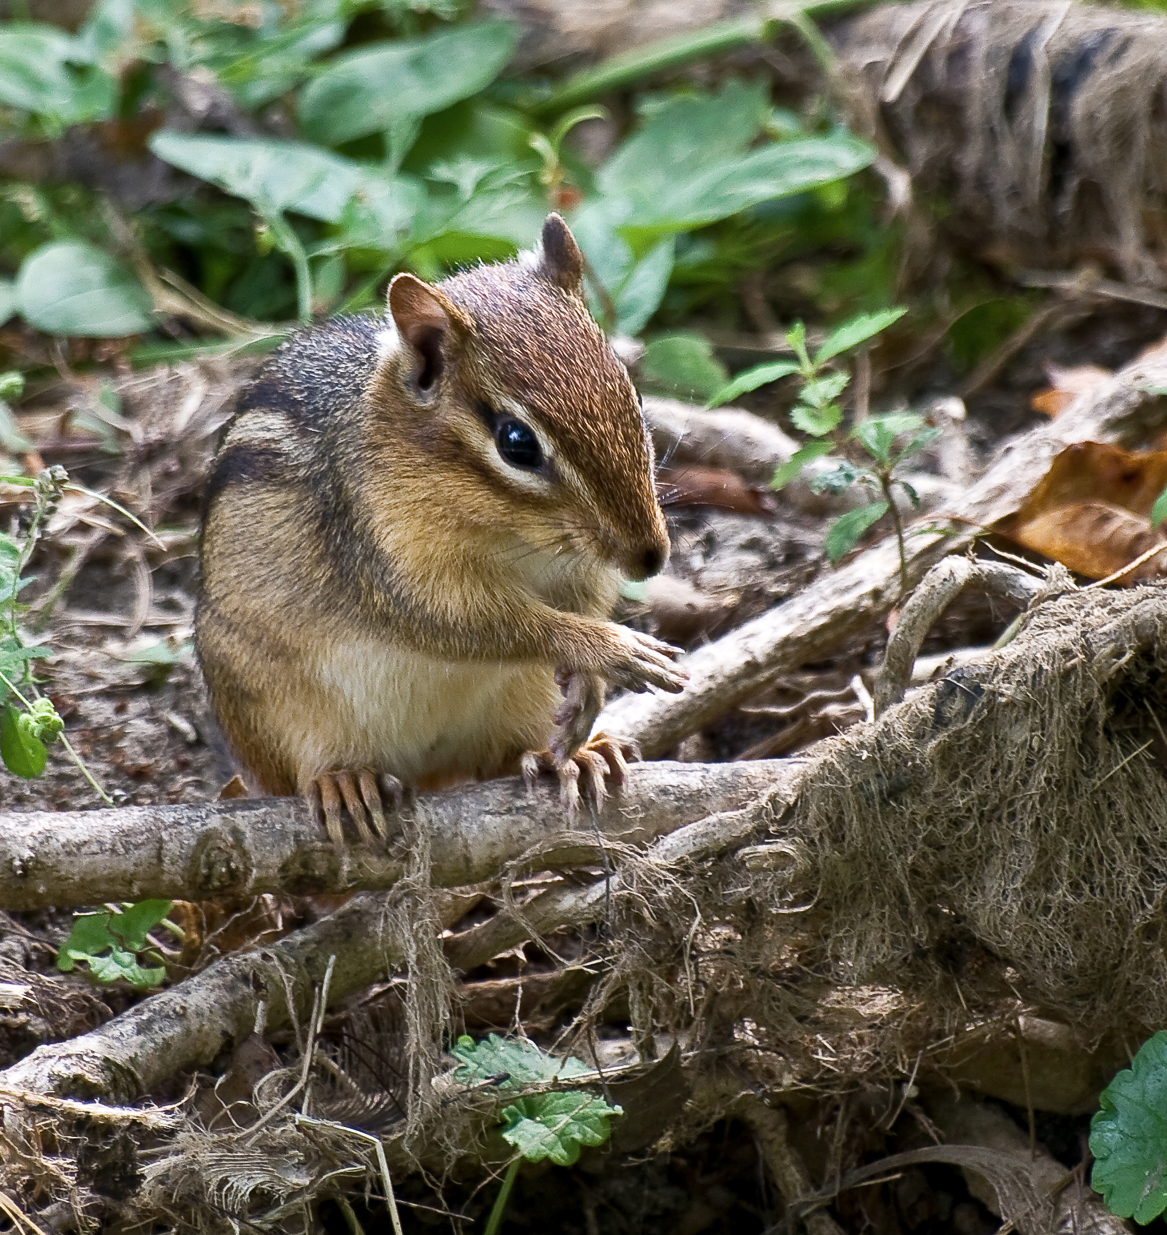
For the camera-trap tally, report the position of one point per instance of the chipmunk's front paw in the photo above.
(642, 661)
(585, 774)
(362, 793)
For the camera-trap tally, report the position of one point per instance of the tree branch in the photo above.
(245, 847)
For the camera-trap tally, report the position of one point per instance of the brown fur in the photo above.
(379, 588)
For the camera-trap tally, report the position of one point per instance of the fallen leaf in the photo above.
(1066, 384)
(1091, 511)
(1095, 539)
(713, 486)
(1100, 472)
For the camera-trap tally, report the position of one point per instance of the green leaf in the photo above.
(551, 1125)
(877, 434)
(841, 476)
(844, 533)
(784, 474)
(522, 1062)
(817, 421)
(273, 176)
(635, 283)
(109, 944)
(857, 330)
(376, 88)
(37, 75)
(683, 363)
(708, 136)
(73, 288)
(1128, 1136)
(557, 1125)
(1159, 510)
(22, 752)
(751, 379)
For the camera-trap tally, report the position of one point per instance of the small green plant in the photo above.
(26, 722)
(1128, 1136)
(868, 453)
(545, 1125)
(116, 945)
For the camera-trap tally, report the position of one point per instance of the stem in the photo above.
(101, 793)
(288, 242)
(667, 53)
(500, 1201)
(885, 485)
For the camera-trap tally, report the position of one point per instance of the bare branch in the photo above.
(245, 847)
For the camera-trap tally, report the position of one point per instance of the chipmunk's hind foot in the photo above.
(360, 792)
(599, 765)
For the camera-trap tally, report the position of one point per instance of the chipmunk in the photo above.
(415, 531)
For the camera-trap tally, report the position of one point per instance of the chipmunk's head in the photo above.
(510, 383)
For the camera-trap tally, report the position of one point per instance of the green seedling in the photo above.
(867, 454)
(546, 1125)
(115, 946)
(1128, 1136)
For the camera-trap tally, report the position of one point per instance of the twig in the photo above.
(942, 584)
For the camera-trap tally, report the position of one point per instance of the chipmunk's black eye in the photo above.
(517, 444)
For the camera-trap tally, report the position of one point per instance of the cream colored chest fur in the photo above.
(397, 710)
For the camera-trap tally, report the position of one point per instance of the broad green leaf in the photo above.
(683, 363)
(371, 90)
(1159, 510)
(751, 379)
(522, 1062)
(274, 65)
(273, 176)
(551, 1125)
(23, 753)
(34, 69)
(844, 533)
(1128, 1136)
(557, 1125)
(857, 330)
(109, 944)
(382, 212)
(693, 132)
(842, 475)
(73, 288)
(635, 284)
(784, 474)
(777, 170)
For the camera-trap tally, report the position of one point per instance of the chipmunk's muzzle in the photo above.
(645, 561)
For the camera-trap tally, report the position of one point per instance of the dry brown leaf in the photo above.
(712, 486)
(1066, 384)
(1091, 511)
(1100, 472)
(1095, 539)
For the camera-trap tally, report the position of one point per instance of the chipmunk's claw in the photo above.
(599, 765)
(362, 793)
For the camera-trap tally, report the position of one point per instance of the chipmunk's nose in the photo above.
(645, 561)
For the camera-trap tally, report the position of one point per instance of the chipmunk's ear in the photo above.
(558, 259)
(429, 323)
